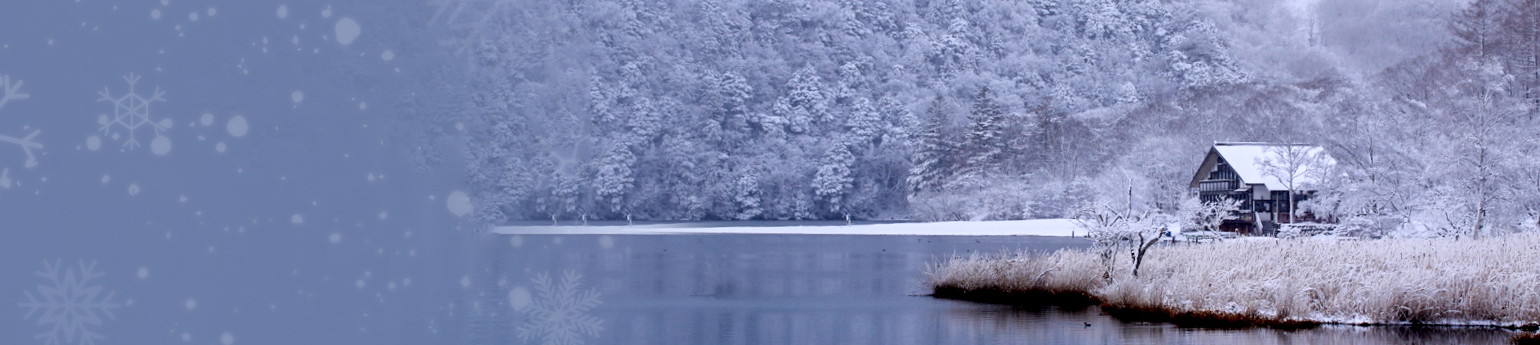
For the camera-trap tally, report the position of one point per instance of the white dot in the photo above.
(144, 272)
(459, 204)
(388, 55)
(407, 282)
(220, 147)
(192, 16)
(186, 337)
(556, 240)
(459, 126)
(212, 11)
(362, 105)
(383, 215)
(465, 281)
(106, 178)
(516, 241)
(359, 283)
(165, 2)
(207, 119)
(155, 14)
(191, 304)
(237, 126)
(606, 242)
(182, 199)
(161, 145)
(326, 13)
(519, 298)
(370, 177)
(283, 11)
(347, 31)
(94, 143)
(297, 219)
(391, 285)
(133, 189)
(226, 338)
(297, 96)
(335, 237)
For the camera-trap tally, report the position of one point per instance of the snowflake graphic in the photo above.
(69, 305)
(558, 316)
(26, 142)
(132, 111)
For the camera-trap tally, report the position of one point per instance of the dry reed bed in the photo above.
(1272, 282)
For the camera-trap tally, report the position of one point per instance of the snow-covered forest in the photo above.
(970, 110)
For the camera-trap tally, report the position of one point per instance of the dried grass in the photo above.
(1492, 282)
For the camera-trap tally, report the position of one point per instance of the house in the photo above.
(1262, 176)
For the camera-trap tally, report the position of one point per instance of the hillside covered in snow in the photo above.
(986, 110)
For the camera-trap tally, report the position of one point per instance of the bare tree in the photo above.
(1112, 230)
(1483, 118)
(1292, 165)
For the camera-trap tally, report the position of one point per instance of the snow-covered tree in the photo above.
(806, 101)
(614, 177)
(1208, 216)
(985, 145)
(1112, 230)
(1293, 165)
(935, 158)
(864, 123)
(833, 180)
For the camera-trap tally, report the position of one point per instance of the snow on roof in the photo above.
(1251, 160)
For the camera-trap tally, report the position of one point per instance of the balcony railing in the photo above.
(1217, 185)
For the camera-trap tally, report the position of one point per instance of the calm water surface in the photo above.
(797, 289)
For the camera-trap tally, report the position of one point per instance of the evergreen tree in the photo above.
(934, 159)
(613, 178)
(986, 142)
(834, 178)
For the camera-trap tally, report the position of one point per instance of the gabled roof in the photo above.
(1251, 161)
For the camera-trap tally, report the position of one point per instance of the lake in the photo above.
(800, 289)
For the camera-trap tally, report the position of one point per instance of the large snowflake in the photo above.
(26, 142)
(132, 111)
(559, 314)
(69, 305)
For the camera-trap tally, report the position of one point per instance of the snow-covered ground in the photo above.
(1035, 227)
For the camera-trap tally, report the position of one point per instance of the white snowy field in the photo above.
(1035, 227)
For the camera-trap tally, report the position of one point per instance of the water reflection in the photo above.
(800, 289)
(1051, 325)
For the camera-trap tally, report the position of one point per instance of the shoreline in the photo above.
(1189, 319)
(1486, 283)
(1033, 227)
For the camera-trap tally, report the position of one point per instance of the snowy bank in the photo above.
(1272, 282)
(1035, 227)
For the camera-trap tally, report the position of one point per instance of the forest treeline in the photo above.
(970, 110)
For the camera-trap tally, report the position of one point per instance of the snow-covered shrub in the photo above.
(1296, 230)
(1197, 215)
